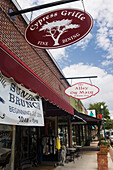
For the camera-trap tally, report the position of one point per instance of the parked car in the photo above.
(111, 137)
(107, 134)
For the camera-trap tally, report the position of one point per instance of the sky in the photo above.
(91, 56)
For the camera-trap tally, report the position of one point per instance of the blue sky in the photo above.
(93, 55)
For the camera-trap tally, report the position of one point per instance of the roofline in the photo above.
(49, 53)
(19, 8)
(80, 118)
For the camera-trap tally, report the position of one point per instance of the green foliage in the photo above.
(104, 147)
(97, 107)
(102, 138)
(109, 124)
(105, 144)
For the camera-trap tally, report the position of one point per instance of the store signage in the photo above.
(99, 116)
(92, 113)
(58, 28)
(82, 90)
(18, 105)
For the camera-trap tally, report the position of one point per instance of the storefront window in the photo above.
(5, 144)
(63, 135)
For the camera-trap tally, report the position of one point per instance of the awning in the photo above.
(78, 120)
(13, 67)
(86, 118)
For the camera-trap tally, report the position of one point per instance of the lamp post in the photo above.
(103, 122)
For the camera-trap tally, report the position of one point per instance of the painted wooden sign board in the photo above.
(82, 90)
(58, 28)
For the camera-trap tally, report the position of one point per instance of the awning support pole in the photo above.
(98, 134)
(41, 7)
(69, 132)
(13, 148)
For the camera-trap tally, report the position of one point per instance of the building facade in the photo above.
(37, 71)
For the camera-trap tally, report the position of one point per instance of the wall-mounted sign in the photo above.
(18, 105)
(58, 28)
(99, 116)
(92, 113)
(82, 90)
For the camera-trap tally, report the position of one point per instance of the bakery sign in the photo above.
(58, 28)
(82, 90)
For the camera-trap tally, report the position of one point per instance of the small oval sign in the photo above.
(58, 28)
(82, 90)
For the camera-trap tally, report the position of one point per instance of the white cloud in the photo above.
(104, 81)
(104, 40)
(31, 3)
(84, 42)
(27, 4)
(105, 28)
(102, 13)
(58, 53)
(100, 10)
(107, 62)
(70, 5)
(108, 57)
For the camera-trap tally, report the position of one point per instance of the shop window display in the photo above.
(48, 141)
(5, 144)
(49, 145)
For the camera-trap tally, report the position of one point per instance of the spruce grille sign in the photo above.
(82, 90)
(18, 105)
(58, 28)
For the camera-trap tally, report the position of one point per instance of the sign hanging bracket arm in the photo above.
(41, 7)
(78, 77)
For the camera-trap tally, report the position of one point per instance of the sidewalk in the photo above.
(87, 160)
(111, 152)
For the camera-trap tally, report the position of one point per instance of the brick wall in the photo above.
(12, 36)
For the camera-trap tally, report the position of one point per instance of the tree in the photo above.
(56, 28)
(97, 107)
(109, 124)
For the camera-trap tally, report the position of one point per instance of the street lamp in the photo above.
(103, 121)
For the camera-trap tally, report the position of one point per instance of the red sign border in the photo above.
(85, 97)
(61, 46)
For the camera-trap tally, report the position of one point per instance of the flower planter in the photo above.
(103, 149)
(102, 160)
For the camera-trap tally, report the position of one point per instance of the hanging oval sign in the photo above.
(58, 28)
(82, 90)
